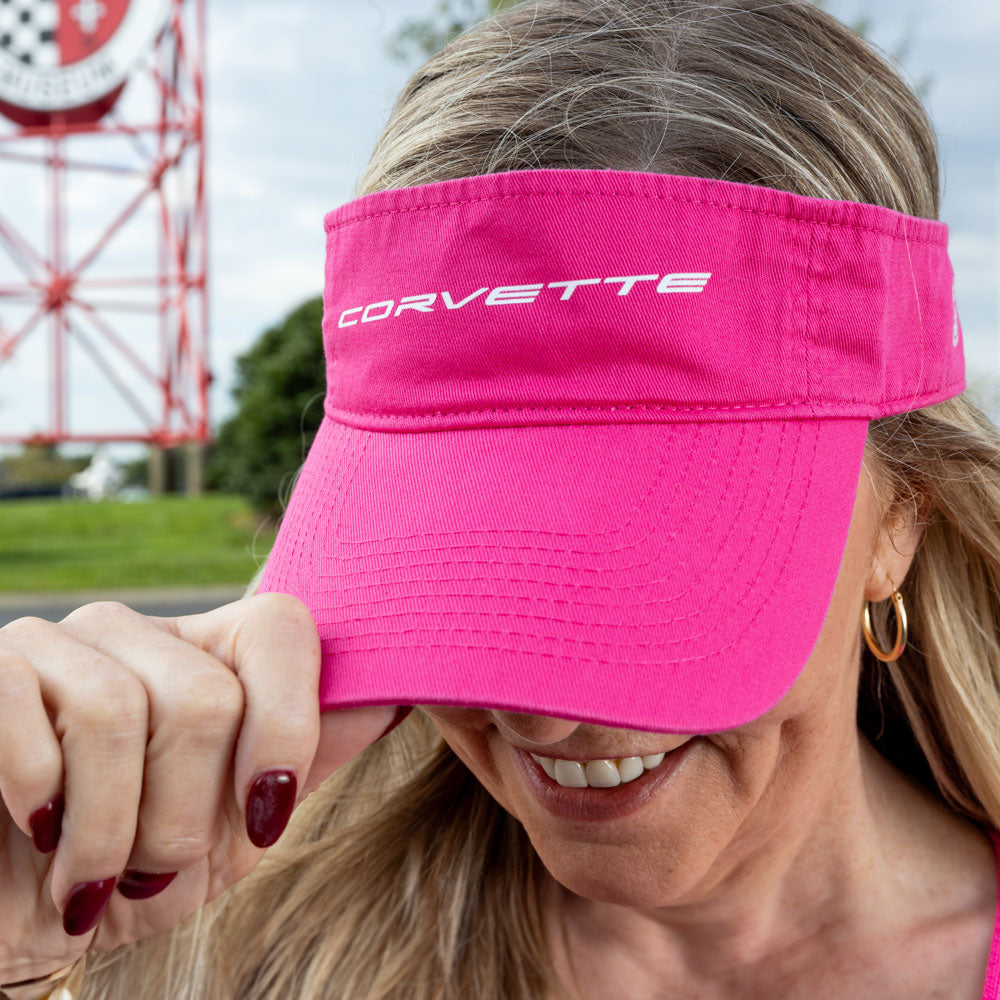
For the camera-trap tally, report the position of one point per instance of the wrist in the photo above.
(63, 984)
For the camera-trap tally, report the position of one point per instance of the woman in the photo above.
(814, 813)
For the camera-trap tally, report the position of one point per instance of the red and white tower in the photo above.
(103, 104)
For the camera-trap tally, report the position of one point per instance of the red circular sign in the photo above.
(57, 55)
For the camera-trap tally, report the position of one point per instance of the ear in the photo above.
(898, 532)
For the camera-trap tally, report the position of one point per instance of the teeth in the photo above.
(602, 774)
(631, 768)
(570, 774)
(548, 766)
(596, 773)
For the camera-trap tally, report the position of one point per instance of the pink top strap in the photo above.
(991, 989)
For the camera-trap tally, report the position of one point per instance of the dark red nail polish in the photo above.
(269, 805)
(86, 904)
(46, 824)
(401, 713)
(134, 884)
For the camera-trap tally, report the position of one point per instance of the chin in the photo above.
(621, 884)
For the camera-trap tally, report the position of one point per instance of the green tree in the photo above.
(278, 391)
(423, 36)
(40, 465)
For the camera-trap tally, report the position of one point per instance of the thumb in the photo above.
(345, 732)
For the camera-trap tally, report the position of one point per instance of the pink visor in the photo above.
(592, 439)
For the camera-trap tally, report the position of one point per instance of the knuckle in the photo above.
(99, 613)
(115, 706)
(105, 849)
(17, 675)
(283, 621)
(175, 849)
(28, 625)
(211, 699)
(287, 609)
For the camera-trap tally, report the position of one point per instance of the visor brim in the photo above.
(671, 577)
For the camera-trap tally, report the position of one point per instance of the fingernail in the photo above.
(46, 824)
(401, 713)
(269, 805)
(134, 884)
(86, 904)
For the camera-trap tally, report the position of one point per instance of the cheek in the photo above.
(725, 779)
(736, 773)
(747, 792)
(731, 799)
(684, 841)
(469, 733)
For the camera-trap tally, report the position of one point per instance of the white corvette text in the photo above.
(508, 295)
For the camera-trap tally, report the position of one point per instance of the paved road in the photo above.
(164, 602)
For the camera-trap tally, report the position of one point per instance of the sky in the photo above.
(297, 95)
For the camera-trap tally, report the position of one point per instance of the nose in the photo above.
(537, 729)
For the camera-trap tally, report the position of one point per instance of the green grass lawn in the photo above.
(74, 544)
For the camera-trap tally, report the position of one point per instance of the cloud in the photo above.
(298, 93)
(974, 256)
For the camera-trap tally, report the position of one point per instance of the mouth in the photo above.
(606, 772)
(585, 798)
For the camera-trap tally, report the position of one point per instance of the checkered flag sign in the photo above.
(28, 31)
(47, 34)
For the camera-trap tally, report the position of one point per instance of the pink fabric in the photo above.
(991, 988)
(813, 307)
(593, 438)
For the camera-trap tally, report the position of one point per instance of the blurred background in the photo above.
(165, 166)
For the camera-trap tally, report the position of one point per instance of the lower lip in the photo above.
(593, 804)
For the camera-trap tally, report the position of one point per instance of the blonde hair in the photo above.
(402, 877)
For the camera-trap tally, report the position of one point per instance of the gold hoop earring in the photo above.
(901, 629)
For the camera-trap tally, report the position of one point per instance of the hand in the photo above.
(165, 738)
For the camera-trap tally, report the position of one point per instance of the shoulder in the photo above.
(940, 942)
(952, 939)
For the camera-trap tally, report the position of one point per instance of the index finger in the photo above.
(271, 643)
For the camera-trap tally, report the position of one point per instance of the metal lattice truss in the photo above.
(169, 397)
